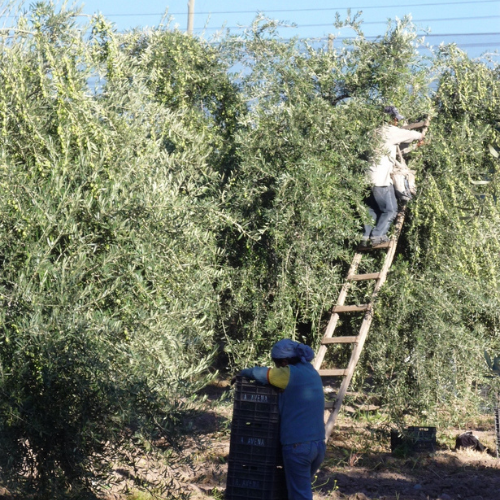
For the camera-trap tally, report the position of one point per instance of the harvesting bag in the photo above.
(404, 184)
(403, 179)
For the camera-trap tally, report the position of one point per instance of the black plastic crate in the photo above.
(254, 401)
(255, 482)
(413, 440)
(255, 442)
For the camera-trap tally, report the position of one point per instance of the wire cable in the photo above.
(364, 23)
(436, 35)
(311, 9)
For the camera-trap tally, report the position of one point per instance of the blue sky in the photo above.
(473, 25)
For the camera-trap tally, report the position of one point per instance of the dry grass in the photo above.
(358, 466)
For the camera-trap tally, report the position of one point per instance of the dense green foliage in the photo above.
(108, 255)
(167, 204)
(445, 293)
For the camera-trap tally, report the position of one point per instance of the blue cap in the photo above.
(393, 111)
(287, 348)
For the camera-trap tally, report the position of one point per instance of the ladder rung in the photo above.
(341, 309)
(335, 401)
(362, 277)
(330, 404)
(336, 372)
(353, 394)
(340, 340)
(348, 393)
(375, 247)
(387, 244)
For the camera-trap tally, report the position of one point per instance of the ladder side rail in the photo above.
(355, 354)
(320, 356)
(365, 326)
(358, 347)
(389, 257)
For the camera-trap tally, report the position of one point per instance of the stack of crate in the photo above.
(255, 466)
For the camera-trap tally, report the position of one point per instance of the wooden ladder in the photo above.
(359, 340)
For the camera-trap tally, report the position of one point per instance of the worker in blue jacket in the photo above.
(301, 406)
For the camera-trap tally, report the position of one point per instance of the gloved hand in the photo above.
(246, 372)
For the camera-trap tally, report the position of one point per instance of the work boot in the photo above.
(365, 242)
(377, 240)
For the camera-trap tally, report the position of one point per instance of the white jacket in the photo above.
(379, 173)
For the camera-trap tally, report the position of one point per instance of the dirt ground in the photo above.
(358, 465)
(445, 474)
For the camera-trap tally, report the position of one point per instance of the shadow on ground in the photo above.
(444, 475)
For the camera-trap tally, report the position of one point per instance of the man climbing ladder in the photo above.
(391, 161)
(388, 160)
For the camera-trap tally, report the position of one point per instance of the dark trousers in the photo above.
(383, 208)
(301, 461)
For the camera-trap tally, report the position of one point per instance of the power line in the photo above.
(461, 34)
(309, 9)
(436, 35)
(429, 35)
(491, 44)
(434, 20)
(494, 44)
(364, 23)
(466, 45)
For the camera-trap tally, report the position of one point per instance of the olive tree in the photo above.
(108, 250)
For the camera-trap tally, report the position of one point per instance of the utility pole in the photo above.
(190, 17)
